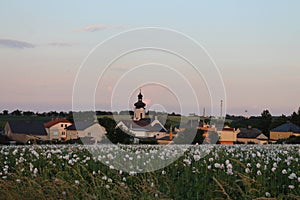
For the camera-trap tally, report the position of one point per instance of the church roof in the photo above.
(139, 104)
(144, 124)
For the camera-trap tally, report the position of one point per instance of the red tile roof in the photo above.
(56, 121)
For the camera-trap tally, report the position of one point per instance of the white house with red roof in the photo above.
(56, 128)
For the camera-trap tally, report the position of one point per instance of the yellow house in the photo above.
(228, 135)
(284, 131)
(56, 129)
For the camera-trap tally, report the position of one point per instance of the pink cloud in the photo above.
(98, 27)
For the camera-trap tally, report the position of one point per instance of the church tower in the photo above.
(139, 111)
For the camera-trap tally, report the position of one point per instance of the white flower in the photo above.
(132, 173)
(292, 176)
(104, 178)
(217, 165)
(284, 171)
(109, 180)
(247, 170)
(197, 157)
(229, 166)
(77, 182)
(258, 173)
(257, 165)
(107, 186)
(35, 171)
(268, 194)
(64, 193)
(275, 164)
(210, 159)
(298, 179)
(18, 180)
(227, 162)
(258, 154)
(187, 161)
(291, 186)
(209, 167)
(163, 172)
(273, 169)
(229, 172)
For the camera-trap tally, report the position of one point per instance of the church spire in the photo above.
(140, 96)
(139, 111)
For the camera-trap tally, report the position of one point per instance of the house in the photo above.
(85, 129)
(144, 128)
(284, 131)
(228, 135)
(251, 135)
(141, 127)
(56, 129)
(25, 131)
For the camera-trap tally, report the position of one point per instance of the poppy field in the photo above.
(201, 172)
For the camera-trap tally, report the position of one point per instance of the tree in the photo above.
(277, 121)
(5, 112)
(108, 123)
(295, 118)
(266, 120)
(28, 113)
(16, 113)
(120, 136)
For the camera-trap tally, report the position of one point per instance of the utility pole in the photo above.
(221, 111)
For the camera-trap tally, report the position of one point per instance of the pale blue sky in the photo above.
(255, 44)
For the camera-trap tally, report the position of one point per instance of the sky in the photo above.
(254, 44)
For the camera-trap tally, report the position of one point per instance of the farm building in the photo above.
(251, 135)
(25, 131)
(284, 131)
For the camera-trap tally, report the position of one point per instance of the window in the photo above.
(62, 125)
(89, 134)
(55, 133)
(63, 133)
(66, 125)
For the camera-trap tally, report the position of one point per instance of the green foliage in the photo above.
(120, 136)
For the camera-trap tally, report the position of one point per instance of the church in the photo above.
(141, 126)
